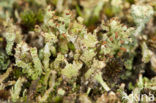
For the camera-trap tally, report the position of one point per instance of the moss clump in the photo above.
(31, 18)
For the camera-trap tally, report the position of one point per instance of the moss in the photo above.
(17, 72)
(57, 99)
(30, 18)
(108, 10)
(92, 20)
(71, 46)
(131, 1)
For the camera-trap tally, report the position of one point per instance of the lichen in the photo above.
(87, 51)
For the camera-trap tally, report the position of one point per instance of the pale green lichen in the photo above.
(91, 10)
(95, 73)
(47, 92)
(71, 70)
(15, 91)
(65, 61)
(56, 64)
(5, 75)
(153, 62)
(87, 55)
(27, 58)
(117, 42)
(4, 61)
(89, 40)
(84, 98)
(47, 54)
(10, 41)
(60, 92)
(10, 36)
(141, 15)
(146, 53)
(37, 62)
(98, 78)
(97, 65)
(6, 6)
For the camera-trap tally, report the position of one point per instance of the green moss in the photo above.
(57, 99)
(131, 1)
(71, 46)
(92, 20)
(30, 18)
(108, 10)
(17, 72)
